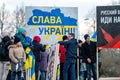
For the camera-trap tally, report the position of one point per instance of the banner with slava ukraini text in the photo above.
(51, 23)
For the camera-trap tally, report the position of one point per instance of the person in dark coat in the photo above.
(37, 47)
(82, 61)
(71, 47)
(90, 51)
(4, 60)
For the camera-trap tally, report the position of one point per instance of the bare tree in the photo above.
(92, 17)
(3, 16)
(19, 16)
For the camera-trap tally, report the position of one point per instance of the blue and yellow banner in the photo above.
(51, 23)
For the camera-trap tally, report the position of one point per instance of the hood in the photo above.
(14, 46)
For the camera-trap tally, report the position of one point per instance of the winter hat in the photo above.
(21, 29)
(79, 41)
(64, 37)
(37, 38)
(16, 39)
(85, 36)
(28, 39)
(4, 34)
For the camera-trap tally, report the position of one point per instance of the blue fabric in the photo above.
(91, 67)
(43, 75)
(83, 67)
(14, 74)
(69, 64)
(94, 35)
(28, 39)
(81, 75)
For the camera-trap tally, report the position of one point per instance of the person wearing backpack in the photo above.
(4, 55)
(37, 47)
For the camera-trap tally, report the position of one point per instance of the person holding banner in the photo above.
(36, 48)
(71, 47)
(90, 51)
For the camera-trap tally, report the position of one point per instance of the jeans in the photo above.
(91, 67)
(81, 75)
(69, 64)
(4, 69)
(61, 71)
(37, 64)
(82, 71)
(14, 74)
(43, 75)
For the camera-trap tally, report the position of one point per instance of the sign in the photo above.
(108, 26)
(51, 23)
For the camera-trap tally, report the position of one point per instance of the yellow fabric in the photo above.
(28, 63)
(33, 77)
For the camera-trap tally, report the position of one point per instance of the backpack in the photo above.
(2, 49)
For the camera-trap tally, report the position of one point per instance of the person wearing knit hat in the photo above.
(21, 29)
(86, 36)
(16, 39)
(90, 51)
(37, 38)
(22, 36)
(37, 47)
(18, 58)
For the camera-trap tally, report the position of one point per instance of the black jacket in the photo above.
(90, 51)
(7, 41)
(81, 54)
(37, 47)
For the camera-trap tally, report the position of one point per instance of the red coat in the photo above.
(62, 51)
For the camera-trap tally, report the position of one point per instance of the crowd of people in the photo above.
(14, 59)
(87, 58)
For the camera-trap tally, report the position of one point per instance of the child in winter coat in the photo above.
(18, 58)
(43, 64)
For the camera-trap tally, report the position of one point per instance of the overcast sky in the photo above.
(84, 6)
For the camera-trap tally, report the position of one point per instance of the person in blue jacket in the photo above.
(71, 48)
